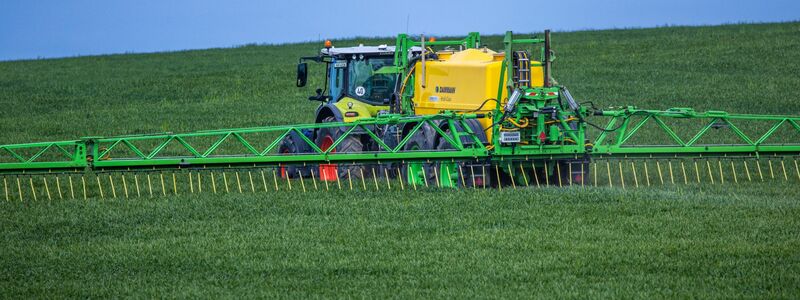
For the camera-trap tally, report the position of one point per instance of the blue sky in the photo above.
(58, 28)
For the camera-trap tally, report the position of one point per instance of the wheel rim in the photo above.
(327, 142)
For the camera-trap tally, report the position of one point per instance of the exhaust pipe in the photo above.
(547, 58)
(422, 80)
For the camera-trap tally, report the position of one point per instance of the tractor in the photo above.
(366, 82)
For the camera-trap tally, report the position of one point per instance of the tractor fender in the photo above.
(324, 111)
(328, 110)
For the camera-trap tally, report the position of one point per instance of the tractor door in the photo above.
(336, 77)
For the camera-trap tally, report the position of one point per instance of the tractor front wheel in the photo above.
(293, 144)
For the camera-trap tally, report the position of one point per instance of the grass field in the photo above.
(675, 241)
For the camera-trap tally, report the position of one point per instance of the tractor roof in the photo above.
(361, 49)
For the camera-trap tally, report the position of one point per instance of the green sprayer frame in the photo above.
(81, 154)
(758, 143)
(567, 128)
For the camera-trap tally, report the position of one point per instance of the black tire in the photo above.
(391, 137)
(423, 140)
(351, 144)
(479, 131)
(497, 179)
(539, 177)
(294, 144)
(577, 176)
(463, 169)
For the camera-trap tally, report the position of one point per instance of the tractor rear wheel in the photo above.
(351, 144)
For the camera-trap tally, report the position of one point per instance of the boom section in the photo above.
(256, 146)
(678, 132)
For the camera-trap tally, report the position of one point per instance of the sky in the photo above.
(32, 29)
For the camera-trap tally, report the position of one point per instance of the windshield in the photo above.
(365, 84)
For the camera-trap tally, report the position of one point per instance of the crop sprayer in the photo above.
(422, 113)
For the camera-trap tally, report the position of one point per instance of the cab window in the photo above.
(365, 84)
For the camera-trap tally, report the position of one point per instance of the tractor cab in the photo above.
(359, 81)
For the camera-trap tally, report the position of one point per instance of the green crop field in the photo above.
(707, 240)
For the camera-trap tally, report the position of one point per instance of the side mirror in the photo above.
(302, 74)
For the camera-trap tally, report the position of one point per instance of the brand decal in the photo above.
(446, 89)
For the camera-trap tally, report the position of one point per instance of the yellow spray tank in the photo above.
(463, 81)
